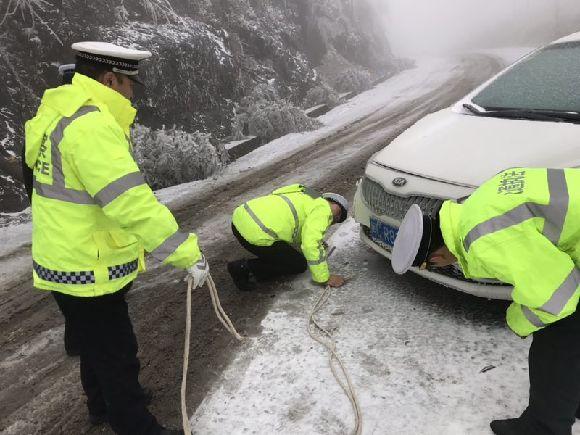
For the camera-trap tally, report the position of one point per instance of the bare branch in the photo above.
(32, 8)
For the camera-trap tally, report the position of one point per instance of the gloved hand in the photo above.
(199, 272)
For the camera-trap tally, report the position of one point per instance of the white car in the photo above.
(528, 115)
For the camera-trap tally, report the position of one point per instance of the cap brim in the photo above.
(408, 240)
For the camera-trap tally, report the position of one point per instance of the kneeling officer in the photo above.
(521, 227)
(285, 231)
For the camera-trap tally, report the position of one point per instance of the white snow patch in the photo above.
(404, 87)
(401, 88)
(415, 358)
(42, 341)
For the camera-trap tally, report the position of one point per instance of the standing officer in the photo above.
(71, 337)
(93, 217)
(285, 231)
(521, 227)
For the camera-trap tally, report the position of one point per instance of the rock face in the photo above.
(208, 54)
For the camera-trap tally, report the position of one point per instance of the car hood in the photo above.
(468, 150)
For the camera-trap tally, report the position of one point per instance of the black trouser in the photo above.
(72, 342)
(554, 362)
(273, 261)
(109, 364)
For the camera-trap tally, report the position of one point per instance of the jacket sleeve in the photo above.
(27, 174)
(110, 175)
(313, 231)
(545, 279)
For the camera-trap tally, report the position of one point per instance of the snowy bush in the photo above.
(353, 80)
(264, 114)
(343, 75)
(272, 119)
(173, 156)
(321, 94)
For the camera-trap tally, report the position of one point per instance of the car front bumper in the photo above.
(425, 188)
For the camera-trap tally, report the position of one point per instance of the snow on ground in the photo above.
(428, 74)
(416, 361)
(403, 87)
(406, 86)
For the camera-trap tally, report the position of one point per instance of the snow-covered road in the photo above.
(424, 359)
(415, 349)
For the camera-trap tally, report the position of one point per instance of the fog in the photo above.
(417, 27)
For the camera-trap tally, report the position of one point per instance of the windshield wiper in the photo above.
(531, 114)
(473, 109)
(551, 115)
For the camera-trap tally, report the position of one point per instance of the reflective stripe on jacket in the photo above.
(93, 214)
(522, 227)
(293, 214)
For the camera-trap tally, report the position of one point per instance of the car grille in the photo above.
(394, 206)
(449, 271)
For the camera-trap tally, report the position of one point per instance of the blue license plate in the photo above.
(383, 234)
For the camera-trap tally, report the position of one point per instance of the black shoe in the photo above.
(98, 419)
(171, 431)
(509, 426)
(241, 275)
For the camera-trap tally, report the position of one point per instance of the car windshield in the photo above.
(549, 80)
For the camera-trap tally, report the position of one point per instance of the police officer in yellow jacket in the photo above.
(521, 227)
(93, 218)
(285, 231)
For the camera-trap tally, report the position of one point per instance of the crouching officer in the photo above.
(93, 217)
(521, 227)
(285, 231)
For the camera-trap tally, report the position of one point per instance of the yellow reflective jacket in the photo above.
(294, 214)
(523, 228)
(92, 212)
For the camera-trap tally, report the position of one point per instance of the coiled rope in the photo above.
(322, 336)
(223, 318)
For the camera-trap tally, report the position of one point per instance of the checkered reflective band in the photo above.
(121, 270)
(82, 277)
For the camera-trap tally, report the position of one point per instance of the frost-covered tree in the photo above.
(264, 114)
(272, 119)
(353, 80)
(321, 94)
(173, 156)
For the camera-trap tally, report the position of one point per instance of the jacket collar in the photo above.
(119, 106)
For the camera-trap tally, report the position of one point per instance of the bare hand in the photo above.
(335, 281)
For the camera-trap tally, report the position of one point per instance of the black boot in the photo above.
(509, 426)
(165, 431)
(241, 275)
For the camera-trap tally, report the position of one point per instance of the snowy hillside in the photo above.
(208, 55)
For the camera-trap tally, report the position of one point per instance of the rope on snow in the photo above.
(322, 336)
(223, 318)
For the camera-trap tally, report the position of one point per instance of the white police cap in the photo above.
(123, 60)
(340, 200)
(409, 240)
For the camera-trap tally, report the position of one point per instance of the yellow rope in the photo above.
(223, 318)
(325, 338)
